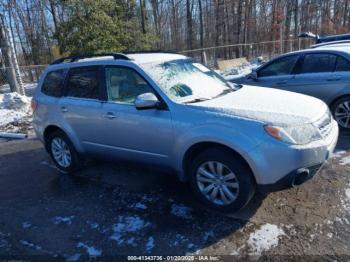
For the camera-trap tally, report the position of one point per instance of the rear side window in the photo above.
(83, 82)
(53, 83)
(281, 66)
(318, 63)
(342, 64)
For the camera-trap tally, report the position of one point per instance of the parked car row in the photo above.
(166, 110)
(322, 72)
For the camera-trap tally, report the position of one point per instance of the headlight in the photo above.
(297, 135)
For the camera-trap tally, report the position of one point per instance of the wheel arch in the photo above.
(52, 128)
(198, 147)
(336, 99)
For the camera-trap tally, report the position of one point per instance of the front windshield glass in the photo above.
(185, 81)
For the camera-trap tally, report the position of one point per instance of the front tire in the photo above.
(341, 112)
(221, 180)
(62, 152)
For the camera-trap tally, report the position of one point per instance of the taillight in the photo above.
(33, 104)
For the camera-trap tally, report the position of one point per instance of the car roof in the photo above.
(337, 48)
(135, 58)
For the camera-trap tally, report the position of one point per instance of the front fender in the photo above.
(221, 134)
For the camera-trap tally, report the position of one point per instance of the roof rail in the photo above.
(74, 58)
(330, 43)
(151, 51)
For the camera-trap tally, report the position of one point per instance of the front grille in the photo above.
(325, 125)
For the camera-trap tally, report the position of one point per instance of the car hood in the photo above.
(267, 105)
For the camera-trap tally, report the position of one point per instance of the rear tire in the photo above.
(62, 152)
(236, 177)
(341, 112)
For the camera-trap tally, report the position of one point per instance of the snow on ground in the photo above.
(150, 244)
(125, 226)
(28, 87)
(15, 112)
(181, 211)
(338, 153)
(345, 161)
(63, 220)
(264, 238)
(92, 251)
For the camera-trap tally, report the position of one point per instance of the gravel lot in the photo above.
(116, 208)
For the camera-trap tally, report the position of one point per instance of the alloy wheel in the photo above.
(217, 183)
(61, 152)
(342, 114)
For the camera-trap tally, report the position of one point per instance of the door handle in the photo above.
(110, 115)
(64, 109)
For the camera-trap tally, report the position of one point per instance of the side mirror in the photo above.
(146, 101)
(253, 75)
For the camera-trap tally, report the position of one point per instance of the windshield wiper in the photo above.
(226, 91)
(196, 100)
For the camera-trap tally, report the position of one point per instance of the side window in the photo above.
(83, 82)
(124, 85)
(281, 66)
(318, 63)
(53, 83)
(342, 64)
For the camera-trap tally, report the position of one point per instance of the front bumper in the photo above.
(277, 165)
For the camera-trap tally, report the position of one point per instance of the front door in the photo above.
(142, 135)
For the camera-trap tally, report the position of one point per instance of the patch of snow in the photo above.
(265, 238)
(93, 225)
(14, 111)
(337, 153)
(181, 211)
(150, 244)
(26, 225)
(64, 220)
(346, 201)
(140, 205)
(31, 245)
(125, 226)
(27, 86)
(345, 161)
(92, 251)
(73, 258)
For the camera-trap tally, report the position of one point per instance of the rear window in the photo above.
(53, 83)
(83, 82)
(318, 63)
(342, 64)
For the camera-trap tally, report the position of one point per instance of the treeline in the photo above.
(42, 30)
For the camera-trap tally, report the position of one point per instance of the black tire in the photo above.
(243, 174)
(75, 160)
(334, 107)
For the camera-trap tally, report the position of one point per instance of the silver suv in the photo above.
(164, 109)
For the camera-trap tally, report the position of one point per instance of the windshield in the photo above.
(185, 81)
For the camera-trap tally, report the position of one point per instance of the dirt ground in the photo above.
(111, 209)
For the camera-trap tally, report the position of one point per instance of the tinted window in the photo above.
(281, 66)
(342, 64)
(124, 85)
(53, 83)
(83, 82)
(318, 63)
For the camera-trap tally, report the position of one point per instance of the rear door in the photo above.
(278, 73)
(81, 105)
(319, 76)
